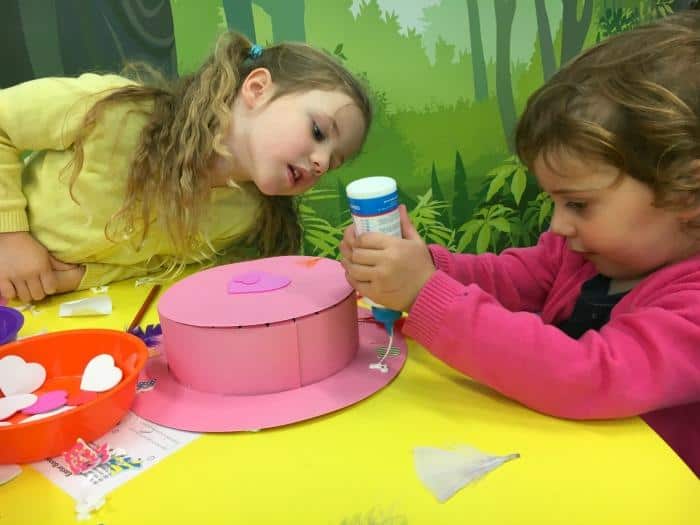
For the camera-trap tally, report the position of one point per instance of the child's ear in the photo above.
(256, 87)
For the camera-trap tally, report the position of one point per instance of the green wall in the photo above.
(434, 68)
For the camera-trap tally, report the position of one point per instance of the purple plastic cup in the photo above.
(11, 322)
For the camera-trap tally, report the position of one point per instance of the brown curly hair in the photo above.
(188, 119)
(633, 102)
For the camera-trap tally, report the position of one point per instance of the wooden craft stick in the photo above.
(144, 307)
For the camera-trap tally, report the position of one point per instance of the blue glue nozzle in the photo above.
(387, 317)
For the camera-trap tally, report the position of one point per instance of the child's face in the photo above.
(609, 218)
(285, 145)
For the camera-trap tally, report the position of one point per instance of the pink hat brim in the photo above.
(174, 405)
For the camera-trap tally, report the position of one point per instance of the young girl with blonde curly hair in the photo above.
(127, 179)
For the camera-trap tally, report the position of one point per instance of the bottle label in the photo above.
(379, 214)
(374, 206)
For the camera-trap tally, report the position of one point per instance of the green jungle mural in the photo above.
(448, 79)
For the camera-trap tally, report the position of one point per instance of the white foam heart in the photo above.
(9, 472)
(100, 374)
(19, 377)
(46, 414)
(11, 404)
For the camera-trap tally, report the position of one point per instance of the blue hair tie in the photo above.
(255, 51)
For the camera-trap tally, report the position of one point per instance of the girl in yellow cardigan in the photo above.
(128, 180)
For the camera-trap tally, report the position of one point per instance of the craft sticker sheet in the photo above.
(134, 445)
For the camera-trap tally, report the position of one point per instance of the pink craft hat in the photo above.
(260, 344)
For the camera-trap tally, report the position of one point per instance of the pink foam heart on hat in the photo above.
(11, 404)
(19, 377)
(47, 402)
(100, 374)
(257, 282)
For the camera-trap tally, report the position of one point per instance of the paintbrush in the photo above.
(136, 321)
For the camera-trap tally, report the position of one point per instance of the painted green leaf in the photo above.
(483, 240)
(501, 224)
(545, 212)
(497, 183)
(470, 228)
(518, 184)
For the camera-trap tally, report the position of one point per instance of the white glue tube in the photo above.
(374, 205)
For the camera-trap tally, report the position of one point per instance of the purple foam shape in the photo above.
(11, 322)
(151, 336)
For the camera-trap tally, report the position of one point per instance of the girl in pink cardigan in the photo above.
(601, 319)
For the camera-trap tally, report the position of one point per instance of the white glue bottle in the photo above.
(374, 206)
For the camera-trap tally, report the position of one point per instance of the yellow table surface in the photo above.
(355, 466)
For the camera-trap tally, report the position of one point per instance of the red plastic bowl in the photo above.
(65, 355)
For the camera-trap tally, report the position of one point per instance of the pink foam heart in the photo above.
(257, 282)
(47, 402)
(247, 278)
(45, 415)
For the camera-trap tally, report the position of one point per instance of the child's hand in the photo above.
(388, 270)
(26, 269)
(68, 276)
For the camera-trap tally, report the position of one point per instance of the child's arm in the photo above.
(28, 272)
(37, 115)
(392, 271)
(519, 278)
(647, 357)
(388, 270)
(99, 274)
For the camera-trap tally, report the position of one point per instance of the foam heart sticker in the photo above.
(11, 404)
(47, 402)
(257, 282)
(100, 374)
(19, 377)
(247, 278)
(46, 414)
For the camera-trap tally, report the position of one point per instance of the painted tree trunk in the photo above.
(481, 91)
(549, 65)
(287, 19)
(574, 29)
(505, 11)
(239, 17)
